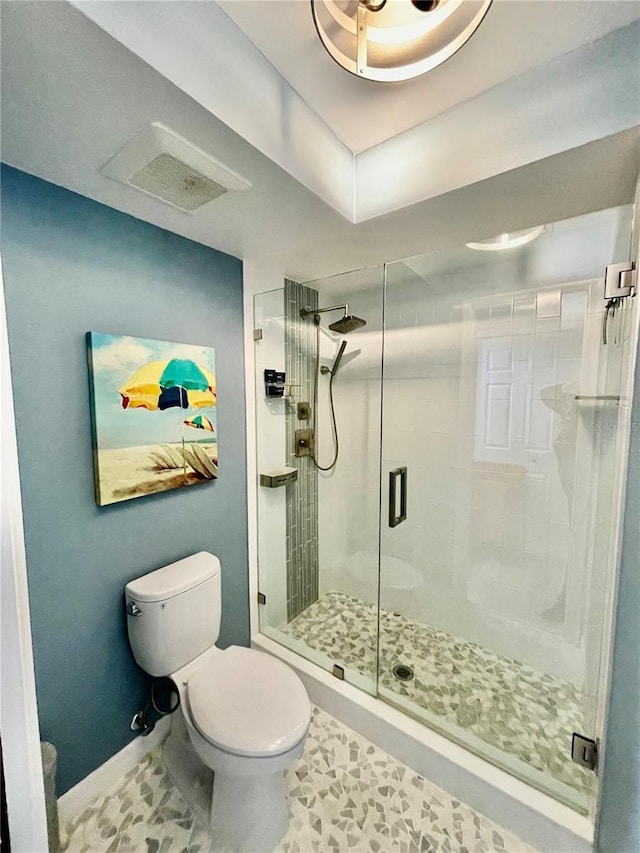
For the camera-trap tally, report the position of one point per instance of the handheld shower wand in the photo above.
(336, 364)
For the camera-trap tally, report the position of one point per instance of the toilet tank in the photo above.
(173, 613)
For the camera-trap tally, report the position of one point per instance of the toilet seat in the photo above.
(248, 703)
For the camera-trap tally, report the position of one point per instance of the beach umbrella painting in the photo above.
(164, 384)
(199, 422)
(143, 395)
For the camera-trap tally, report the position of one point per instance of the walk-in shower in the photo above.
(459, 560)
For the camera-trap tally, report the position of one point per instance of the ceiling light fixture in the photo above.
(507, 241)
(390, 40)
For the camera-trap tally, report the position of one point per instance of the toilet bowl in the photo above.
(247, 716)
(245, 713)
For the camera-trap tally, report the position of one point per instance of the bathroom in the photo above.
(81, 253)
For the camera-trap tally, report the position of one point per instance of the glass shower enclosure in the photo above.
(459, 559)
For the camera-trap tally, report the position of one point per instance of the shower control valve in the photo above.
(304, 442)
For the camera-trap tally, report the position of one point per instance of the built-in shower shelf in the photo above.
(278, 477)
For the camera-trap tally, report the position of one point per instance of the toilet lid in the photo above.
(248, 703)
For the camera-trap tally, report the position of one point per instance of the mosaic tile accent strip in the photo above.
(344, 794)
(302, 496)
(525, 713)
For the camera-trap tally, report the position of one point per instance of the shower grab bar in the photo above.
(395, 520)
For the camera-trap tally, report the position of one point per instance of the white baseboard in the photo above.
(76, 799)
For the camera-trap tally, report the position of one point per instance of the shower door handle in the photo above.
(395, 520)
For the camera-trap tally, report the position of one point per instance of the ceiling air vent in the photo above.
(175, 182)
(162, 164)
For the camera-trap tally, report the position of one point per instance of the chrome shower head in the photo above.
(348, 323)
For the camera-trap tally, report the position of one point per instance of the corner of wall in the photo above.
(618, 809)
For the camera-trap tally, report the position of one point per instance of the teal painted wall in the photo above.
(72, 265)
(619, 825)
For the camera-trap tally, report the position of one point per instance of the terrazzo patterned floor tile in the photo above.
(344, 794)
(144, 814)
(523, 712)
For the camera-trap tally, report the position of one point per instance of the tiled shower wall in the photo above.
(302, 496)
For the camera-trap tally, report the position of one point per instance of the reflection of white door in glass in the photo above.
(514, 421)
(519, 419)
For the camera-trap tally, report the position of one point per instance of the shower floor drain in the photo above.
(402, 672)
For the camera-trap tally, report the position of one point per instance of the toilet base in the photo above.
(248, 814)
(184, 767)
(245, 811)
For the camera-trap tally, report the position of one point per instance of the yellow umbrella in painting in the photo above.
(164, 384)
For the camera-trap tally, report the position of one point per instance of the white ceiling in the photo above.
(567, 102)
(515, 36)
(72, 95)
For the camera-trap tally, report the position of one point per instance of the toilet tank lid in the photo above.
(175, 578)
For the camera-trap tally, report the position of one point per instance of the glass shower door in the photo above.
(318, 530)
(502, 462)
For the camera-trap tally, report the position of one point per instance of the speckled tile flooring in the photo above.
(344, 794)
(525, 713)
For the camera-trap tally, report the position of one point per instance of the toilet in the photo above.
(243, 714)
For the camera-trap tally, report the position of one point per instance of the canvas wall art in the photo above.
(153, 407)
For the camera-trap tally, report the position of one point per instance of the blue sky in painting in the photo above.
(115, 358)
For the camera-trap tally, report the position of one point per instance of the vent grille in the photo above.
(162, 164)
(175, 182)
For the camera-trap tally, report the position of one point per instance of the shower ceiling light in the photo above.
(507, 241)
(389, 40)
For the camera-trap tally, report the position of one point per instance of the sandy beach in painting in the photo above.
(129, 472)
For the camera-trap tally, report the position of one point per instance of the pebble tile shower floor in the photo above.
(344, 794)
(525, 713)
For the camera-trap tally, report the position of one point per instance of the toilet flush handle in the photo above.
(133, 609)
